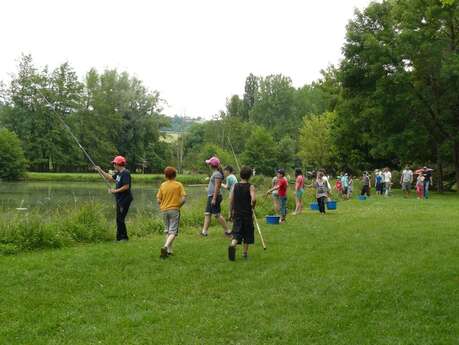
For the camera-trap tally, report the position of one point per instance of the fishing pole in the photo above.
(253, 211)
(73, 136)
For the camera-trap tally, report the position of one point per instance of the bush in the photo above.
(13, 163)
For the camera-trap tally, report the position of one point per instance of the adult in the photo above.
(406, 181)
(299, 191)
(427, 173)
(214, 197)
(366, 184)
(122, 192)
(387, 181)
(326, 179)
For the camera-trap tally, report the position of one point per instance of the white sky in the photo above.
(195, 53)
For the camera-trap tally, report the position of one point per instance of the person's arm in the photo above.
(218, 186)
(183, 201)
(159, 196)
(106, 175)
(253, 196)
(231, 203)
(276, 187)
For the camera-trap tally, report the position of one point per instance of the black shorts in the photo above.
(243, 231)
(214, 209)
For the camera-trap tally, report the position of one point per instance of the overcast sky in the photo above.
(196, 53)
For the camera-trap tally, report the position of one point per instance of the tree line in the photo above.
(391, 101)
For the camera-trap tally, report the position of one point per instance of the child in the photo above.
(379, 183)
(171, 197)
(321, 192)
(281, 187)
(339, 185)
(350, 187)
(299, 191)
(420, 186)
(231, 180)
(366, 184)
(275, 195)
(242, 201)
(214, 197)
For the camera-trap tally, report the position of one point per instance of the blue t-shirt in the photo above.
(378, 179)
(231, 180)
(121, 179)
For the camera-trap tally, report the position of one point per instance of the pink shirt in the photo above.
(299, 184)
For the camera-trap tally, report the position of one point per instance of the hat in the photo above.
(119, 160)
(213, 161)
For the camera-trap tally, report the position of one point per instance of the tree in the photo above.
(260, 151)
(13, 163)
(316, 147)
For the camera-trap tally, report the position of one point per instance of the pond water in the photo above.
(46, 196)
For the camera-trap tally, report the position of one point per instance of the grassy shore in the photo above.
(382, 271)
(93, 177)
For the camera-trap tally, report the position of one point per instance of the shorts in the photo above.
(243, 230)
(171, 220)
(406, 186)
(299, 193)
(345, 190)
(214, 209)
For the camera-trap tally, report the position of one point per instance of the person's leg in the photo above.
(283, 207)
(205, 227)
(426, 189)
(245, 249)
(223, 223)
(297, 204)
(121, 213)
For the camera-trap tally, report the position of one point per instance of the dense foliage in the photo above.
(12, 160)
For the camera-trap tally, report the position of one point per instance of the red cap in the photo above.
(119, 160)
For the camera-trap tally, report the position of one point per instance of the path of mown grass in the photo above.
(375, 272)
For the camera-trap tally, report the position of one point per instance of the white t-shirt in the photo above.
(407, 176)
(325, 179)
(387, 176)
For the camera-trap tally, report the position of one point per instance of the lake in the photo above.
(47, 196)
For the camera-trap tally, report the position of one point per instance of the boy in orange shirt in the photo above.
(171, 197)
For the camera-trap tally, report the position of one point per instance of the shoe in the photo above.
(170, 253)
(245, 256)
(232, 253)
(163, 254)
(203, 234)
(228, 233)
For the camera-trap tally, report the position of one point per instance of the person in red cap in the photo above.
(214, 197)
(122, 192)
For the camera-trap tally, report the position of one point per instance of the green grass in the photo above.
(93, 177)
(383, 271)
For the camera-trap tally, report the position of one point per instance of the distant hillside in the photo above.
(181, 123)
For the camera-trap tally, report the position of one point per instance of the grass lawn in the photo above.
(382, 271)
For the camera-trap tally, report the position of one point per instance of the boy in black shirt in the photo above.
(242, 202)
(123, 195)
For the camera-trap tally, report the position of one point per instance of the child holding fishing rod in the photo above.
(242, 203)
(214, 197)
(122, 192)
(171, 197)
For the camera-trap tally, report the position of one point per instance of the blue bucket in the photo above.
(272, 219)
(362, 197)
(314, 206)
(331, 205)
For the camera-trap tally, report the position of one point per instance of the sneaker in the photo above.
(228, 233)
(203, 234)
(163, 254)
(245, 256)
(232, 253)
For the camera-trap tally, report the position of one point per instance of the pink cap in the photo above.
(214, 161)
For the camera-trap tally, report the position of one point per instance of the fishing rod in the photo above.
(253, 211)
(73, 136)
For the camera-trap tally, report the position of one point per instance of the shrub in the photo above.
(13, 163)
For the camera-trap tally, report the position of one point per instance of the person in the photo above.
(366, 184)
(231, 180)
(338, 185)
(122, 192)
(345, 184)
(420, 186)
(299, 191)
(427, 173)
(171, 197)
(242, 203)
(275, 195)
(350, 187)
(214, 197)
(379, 182)
(326, 179)
(387, 181)
(406, 180)
(281, 187)
(321, 191)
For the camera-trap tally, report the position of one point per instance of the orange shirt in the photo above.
(170, 195)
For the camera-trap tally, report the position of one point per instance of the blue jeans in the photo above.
(426, 189)
(283, 206)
